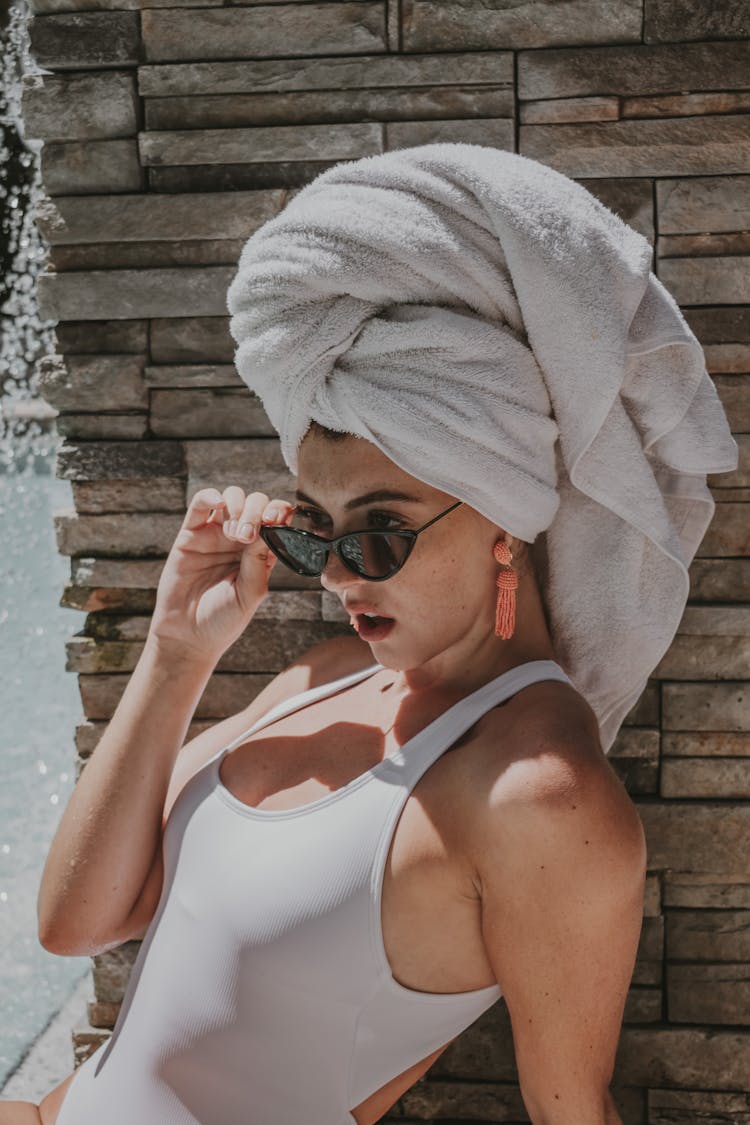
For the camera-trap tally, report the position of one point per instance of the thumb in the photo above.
(256, 563)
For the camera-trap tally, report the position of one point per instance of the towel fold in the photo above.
(498, 333)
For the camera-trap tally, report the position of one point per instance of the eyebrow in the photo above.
(374, 497)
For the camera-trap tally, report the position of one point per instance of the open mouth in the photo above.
(373, 628)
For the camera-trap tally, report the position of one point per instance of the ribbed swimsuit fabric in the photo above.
(261, 993)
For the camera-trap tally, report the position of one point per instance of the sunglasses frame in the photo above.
(335, 544)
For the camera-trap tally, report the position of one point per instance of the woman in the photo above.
(459, 349)
(518, 859)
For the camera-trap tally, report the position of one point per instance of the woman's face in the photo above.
(444, 595)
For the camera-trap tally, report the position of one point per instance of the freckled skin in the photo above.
(452, 565)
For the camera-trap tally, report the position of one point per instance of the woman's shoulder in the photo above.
(538, 766)
(537, 742)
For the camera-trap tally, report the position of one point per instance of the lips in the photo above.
(357, 609)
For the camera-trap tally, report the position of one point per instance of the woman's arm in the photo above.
(105, 842)
(561, 862)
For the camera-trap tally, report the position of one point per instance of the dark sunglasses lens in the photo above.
(299, 552)
(375, 554)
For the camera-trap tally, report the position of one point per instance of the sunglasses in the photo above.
(375, 555)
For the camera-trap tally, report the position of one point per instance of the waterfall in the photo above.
(27, 434)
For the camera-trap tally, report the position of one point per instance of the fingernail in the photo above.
(247, 531)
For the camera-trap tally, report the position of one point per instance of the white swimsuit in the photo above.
(261, 993)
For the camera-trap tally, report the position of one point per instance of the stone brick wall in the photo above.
(170, 133)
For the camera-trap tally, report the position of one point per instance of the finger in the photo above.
(235, 501)
(275, 511)
(200, 510)
(248, 521)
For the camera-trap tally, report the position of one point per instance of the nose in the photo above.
(335, 575)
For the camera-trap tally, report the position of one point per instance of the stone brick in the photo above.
(726, 324)
(193, 375)
(329, 75)
(80, 106)
(705, 203)
(102, 1013)
(671, 1056)
(102, 427)
(706, 657)
(138, 574)
(708, 935)
(125, 294)
(256, 465)
(705, 777)
(136, 601)
(164, 494)
(478, 1101)
(498, 132)
(275, 29)
(569, 109)
(81, 383)
(115, 534)
(262, 144)
(699, 838)
(198, 339)
(705, 706)
(111, 5)
(668, 147)
(715, 620)
(246, 176)
(706, 744)
(85, 39)
(631, 199)
(118, 460)
(666, 20)
(224, 695)
(635, 758)
(86, 1040)
(643, 1005)
(630, 1103)
(648, 963)
(688, 889)
(213, 412)
(111, 971)
(484, 1052)
(90, 167)
(703, 246)
(716, 994)
(95, 336)
(733, 393)
(638, 70)
(725, 495)
(332, 106)
(687, 1107)
(435, 25)
(263, 648)
(729, 531)
(705, 281)
(728, 358)
(652, 896)
(145, 218)
(146, 255)
(685, 105)
(109, 600)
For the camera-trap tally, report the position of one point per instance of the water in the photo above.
(24, 336)
(40, 706)
(39, 700)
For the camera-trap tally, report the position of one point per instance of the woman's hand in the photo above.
(214, 580)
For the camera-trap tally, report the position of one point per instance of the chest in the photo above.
(429, 907)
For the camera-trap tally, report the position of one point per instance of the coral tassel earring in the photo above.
(507, 584)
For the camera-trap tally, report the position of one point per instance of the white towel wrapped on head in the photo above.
(498, 333)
